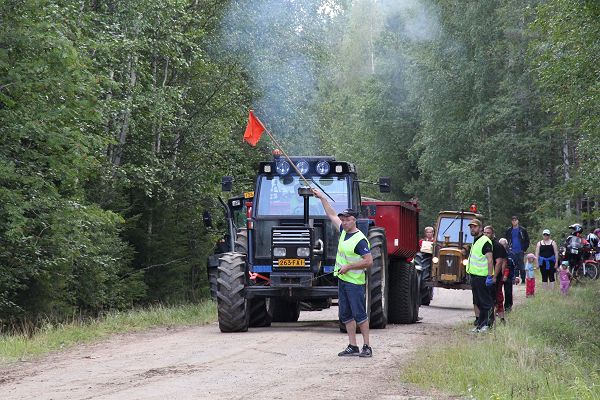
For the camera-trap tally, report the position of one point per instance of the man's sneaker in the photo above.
(350, 351)
(366, 351)
(483, 329)
(475, 330)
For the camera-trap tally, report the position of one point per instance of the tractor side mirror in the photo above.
(385, 185)
(226, 183)
(207, 219)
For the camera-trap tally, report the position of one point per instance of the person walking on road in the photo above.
(508, 277)
(480, 267)
(546, 252)
(353, 258)
(499, 257)
(518, 242)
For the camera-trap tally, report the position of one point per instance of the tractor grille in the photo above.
(449, 264)
(291, 238)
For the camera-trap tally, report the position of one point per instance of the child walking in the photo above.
(530, 275)
(564, 277)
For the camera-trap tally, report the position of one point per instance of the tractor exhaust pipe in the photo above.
(306, 193)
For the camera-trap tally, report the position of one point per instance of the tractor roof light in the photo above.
(323, 168)
(282, 167)
(302, 166)
(473, 208)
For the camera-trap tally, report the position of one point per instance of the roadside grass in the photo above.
(548, 349)
(55, 336)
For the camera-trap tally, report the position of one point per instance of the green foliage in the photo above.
(118, 120)
(547, 350)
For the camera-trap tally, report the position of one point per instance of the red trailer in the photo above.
(401, 223)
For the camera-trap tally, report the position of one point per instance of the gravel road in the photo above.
(286, 361)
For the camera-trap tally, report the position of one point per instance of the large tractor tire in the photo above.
(232, 306)
(403, 298)
(425, 293)
(284, 310)
(259, 313)
(377, 282)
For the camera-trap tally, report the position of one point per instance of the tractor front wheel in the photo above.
(232, 306)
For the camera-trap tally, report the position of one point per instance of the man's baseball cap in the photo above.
(514, 217)
(348, 212)
(546, 232)
(475, 221)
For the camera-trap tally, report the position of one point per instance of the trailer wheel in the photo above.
(378, 280)
(284, 310)
(259, 313)
(232, 306)
(403, 293)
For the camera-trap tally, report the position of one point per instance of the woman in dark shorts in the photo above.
(546, 252)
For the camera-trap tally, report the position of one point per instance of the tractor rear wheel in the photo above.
(259, 313)
(284, 310)
(377, 282)
(232, 306)
(403, 293)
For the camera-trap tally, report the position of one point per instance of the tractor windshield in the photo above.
(278, 195)
(450, 226)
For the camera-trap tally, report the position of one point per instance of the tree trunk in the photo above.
(566, 169)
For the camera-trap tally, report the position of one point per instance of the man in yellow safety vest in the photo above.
(352, 260)
(480, 268)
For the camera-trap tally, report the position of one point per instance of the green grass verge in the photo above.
(51, 337)
(549, 349)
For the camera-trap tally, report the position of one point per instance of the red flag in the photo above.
(254, 130)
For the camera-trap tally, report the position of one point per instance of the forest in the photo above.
(119, 118)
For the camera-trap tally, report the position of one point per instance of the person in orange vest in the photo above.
(353, 258)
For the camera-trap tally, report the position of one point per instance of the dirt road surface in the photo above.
(286, 361)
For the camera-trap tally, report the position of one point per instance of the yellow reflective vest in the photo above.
(346, 255)
(478, 264)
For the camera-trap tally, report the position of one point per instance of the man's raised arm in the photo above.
(328, 209)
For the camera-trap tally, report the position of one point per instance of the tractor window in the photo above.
(278, 195)
(450, 226)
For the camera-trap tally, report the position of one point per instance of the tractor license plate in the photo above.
(290, 262)
(448, 277)
(597, 256)
(574, 251)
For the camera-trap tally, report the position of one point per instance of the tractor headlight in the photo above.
(302, 166)
(465, 262)
(282, 167)
(323, 168)
(435, 260)
(303, 252)
(279, 252)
